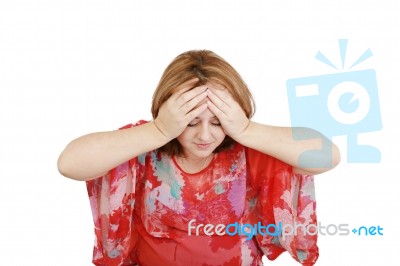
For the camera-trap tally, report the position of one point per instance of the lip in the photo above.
(203, 146)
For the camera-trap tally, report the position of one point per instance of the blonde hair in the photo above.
(207, 67)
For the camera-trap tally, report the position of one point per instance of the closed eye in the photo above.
(196, 122)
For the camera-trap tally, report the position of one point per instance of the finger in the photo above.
(217, 101)
(184, 87)
(216, 111)
(191, 94)
(188, 106)
(195, 113)
(224, 95)
(221, 91)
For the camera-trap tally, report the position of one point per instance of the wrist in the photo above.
(244, 133)
(159, 132)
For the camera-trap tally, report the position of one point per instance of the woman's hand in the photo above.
(231, 116)
(177, 112)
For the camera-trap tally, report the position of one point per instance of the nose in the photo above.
(204, 133)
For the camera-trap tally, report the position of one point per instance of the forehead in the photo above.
(206, 115)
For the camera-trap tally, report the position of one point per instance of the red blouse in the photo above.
(244, 205)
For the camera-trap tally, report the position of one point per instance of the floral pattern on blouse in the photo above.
(142, 210)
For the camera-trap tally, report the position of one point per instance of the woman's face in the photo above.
(202, 136)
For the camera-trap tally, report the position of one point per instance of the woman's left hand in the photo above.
(229, 113)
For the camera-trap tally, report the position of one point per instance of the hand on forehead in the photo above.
(217, 90)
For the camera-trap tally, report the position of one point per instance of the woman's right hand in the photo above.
(180, 109)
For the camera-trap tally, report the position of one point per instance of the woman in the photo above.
(187, 187)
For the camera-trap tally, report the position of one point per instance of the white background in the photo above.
(70, 67)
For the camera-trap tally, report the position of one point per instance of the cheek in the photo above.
(184, 136)
(181, 139)
(219, 134)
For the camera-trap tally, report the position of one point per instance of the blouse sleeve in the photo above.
(286, 206)
(112, 200)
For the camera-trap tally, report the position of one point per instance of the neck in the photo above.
(194, 165)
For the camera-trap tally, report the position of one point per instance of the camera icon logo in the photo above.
(344, 103)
